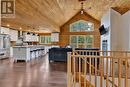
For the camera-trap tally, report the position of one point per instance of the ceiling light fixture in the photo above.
(8, 25)
(28, 33)
(82, 10)
(33, 34)
(20, 28)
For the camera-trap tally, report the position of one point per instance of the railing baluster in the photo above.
(126, 70)
(113, 80)
(80, 71)
(119, 72)
(111, 54)
(74, 69)
(92, 60)
(106, 69)
(69, 70)
(96, 70)
(90, 70)
(103, 64)
(86, 67)
(85, 71)
(101, 69)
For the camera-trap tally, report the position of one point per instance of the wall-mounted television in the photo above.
(102, 30)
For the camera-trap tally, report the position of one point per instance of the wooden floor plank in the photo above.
(38, 73)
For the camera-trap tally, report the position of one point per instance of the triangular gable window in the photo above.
(81, 26)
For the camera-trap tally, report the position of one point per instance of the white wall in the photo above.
(115, 27)
(126, 30)
(106, 19)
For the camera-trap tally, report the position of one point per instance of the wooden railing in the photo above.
(98, 68)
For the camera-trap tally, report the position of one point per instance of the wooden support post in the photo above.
(119, 72)
(69, 70)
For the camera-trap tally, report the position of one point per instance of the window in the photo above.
(45, 39)
(81, 41)
(81, 26)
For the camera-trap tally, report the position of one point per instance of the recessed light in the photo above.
(20, 28)
(8, 25)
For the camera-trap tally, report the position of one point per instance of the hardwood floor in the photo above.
(38, 73)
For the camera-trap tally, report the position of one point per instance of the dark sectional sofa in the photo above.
(60, 54)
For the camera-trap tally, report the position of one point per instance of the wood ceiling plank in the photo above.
(51, 14)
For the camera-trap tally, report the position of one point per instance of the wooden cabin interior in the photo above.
(65, 43)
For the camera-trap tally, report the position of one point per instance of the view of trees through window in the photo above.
(45, 39)
(81, 26)
(81, 41)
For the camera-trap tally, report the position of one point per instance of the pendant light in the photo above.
(82, 10)
(28, 33)
(33, 34)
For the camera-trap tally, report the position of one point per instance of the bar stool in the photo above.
(39, 52)
(31, 54)
(35, 50)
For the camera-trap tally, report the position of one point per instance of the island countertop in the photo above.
(28, 52)
(29, 46)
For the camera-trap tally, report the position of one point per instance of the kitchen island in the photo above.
(28, 52)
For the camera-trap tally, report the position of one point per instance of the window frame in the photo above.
(46, 40)
(80, 30)
(85, 42)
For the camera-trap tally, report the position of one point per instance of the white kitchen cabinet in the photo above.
(4, 30)
(30, 38)
(26, 38)
(55, 37)
(13, 35)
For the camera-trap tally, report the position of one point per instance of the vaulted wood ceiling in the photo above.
(49, 15)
